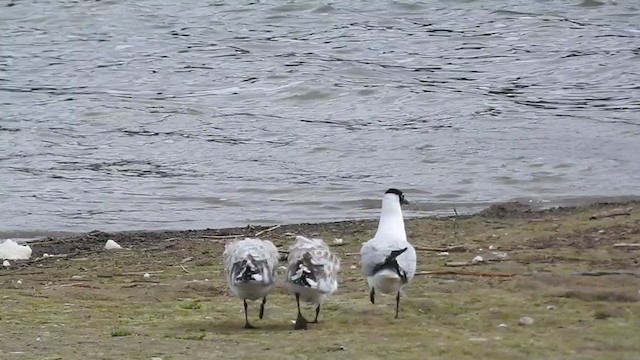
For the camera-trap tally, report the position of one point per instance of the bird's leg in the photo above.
(246, 317)
(301, 322)
(397, 303)
(315, 321)
(264, 301)
(372, 296)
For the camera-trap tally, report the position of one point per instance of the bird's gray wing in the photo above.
(370, 256)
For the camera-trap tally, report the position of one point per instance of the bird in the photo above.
(251, 266)
(388, 260)
(312, 274)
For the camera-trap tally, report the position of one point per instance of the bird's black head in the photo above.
(403, 201)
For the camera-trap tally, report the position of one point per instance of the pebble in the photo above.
(338, 241)
(19, 282)
(156, 358)
(146, 275)
(444, 253)
(525, 320)
(353, 267)
(6, 263)
(551, 307)
(503, 325)
(477, 259)
(77, 277)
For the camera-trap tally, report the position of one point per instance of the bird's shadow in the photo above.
(230, 327)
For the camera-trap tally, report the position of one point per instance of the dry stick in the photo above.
(221, 236)
(466, 273)
(266, 230)
(627, 246)
(470, 263)
(452, 248)
(185, 270)
(612, 213)
(605, 273)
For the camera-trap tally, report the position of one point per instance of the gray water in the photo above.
(193, 114)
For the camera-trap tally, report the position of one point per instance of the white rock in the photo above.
(353, 267)
(338, 241)
(146, 275)
(11, 250)
(6, 263)
(19, 282)
(551, 307)
(444, 253)
(45, 255)
(525, 320)
(491, 247)
(477, 259)
(503, 325)
(112, 245)
(156, 358)
(77, 277)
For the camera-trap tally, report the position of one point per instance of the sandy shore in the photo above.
(563, 268)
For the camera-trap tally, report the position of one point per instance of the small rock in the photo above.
(112, 245)
(338, 241)
(503, 325)
(6, 263)
(477, 259)
(45, 255)
(444, 253)
(601, 232)
(156, 358)
(353, 267)
(146, 275)
(19, 282)
(525, 320)
(491, 247)
(551, 307)
(77, 277)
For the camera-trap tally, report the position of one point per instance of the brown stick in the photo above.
(626, 246)
(470, 263)
(465, 273)
(605, 273)
(452, 248)
(612, 213)
(266, 230)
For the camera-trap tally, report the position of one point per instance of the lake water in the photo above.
(120, 115)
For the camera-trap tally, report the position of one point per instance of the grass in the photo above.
(188, 313)
(116, 333)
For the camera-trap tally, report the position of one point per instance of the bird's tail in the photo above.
(303, 272)
(248, 270)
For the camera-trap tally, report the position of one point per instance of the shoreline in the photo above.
(440, 212)
(165, 294)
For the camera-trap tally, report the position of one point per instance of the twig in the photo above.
(470, 263)
(466, 273)
(612, 213)
(627, 246)
(452, 248)
(141, 272)
(605, 273)
(18, 272)
(185, 270)
(266, 230)
(221, 236)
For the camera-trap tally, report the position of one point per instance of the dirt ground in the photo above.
(562, 268)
